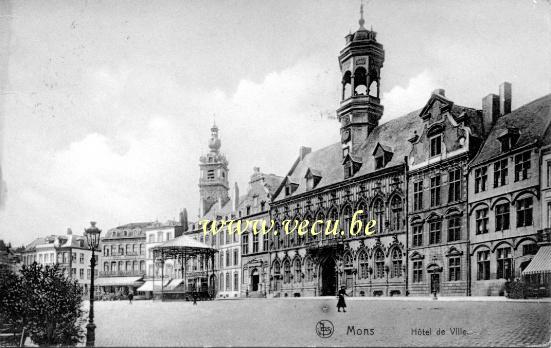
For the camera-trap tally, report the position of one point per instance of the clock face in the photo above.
(345, 136)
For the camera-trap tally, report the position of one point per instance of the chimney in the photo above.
(490, 111)
(69, 231)
(236, 198)
(304, 151)
(504, 98)
(440, 92)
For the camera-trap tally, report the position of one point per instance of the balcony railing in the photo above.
(122, 273)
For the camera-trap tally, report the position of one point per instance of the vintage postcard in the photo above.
(275, 173)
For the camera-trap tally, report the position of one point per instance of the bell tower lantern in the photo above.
(360, 109)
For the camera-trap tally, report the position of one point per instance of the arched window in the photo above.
(348, 261)
(364, 216)
(396, 209)
(305, 238)
(364, 266)
(333, 216)
(277, 268)
(106, 266)
(135, 266)
(278, 239)
(298, 270)
(379, 264)
(360, 81)
(319, 226)
(142, 266)
(396, 263)
(309, 270)
(287, 272)
(379, 209)
(374, 89)
(346, 219)
(128, 265)
(346, 85)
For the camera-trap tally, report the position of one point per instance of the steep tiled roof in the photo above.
(133, 225)
(32, 245)
(215, 211)
(272, 182)
(393, 136)
(472, 118)
(532, 121)
(327, 161)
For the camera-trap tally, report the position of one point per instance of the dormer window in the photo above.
(290, 186)
(436, 145)
(348, 170)
(345, 152)
(508, 138)
(383, 155)
(379, 162)
(313, 177)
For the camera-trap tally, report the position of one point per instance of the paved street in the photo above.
(292, 322)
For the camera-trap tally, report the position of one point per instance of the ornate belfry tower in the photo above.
(213, 182)
(360, 61)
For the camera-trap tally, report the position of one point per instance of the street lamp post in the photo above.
(92, 237)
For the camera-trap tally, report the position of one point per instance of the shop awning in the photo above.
(148, 285)
(541, 263)
(119, 281)
(174, 284)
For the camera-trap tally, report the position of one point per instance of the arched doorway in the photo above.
(255, 279)
(328, 277)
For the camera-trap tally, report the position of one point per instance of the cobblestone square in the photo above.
(292, 322)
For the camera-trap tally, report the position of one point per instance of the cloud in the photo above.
(401, 100)
(144, 164)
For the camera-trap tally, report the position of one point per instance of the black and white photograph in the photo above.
(219, 173)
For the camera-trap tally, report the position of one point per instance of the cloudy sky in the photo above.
(107, 105)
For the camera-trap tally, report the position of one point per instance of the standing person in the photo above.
(341, 303)
(130, 297)
(195, 299)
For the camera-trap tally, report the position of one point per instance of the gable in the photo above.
(436, 106)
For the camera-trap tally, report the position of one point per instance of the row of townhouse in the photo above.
(461, 196)
(70, 251)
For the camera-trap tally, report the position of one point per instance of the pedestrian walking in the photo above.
(341, 304)
(130, 297)
(195, 299)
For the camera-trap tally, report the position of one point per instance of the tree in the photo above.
(45, 303)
